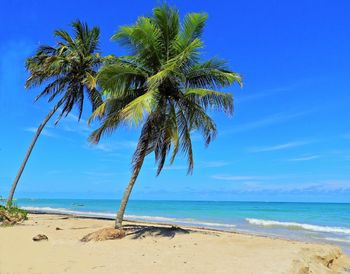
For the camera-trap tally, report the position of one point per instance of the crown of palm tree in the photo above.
(69, 68)
(163, 85)
(68, 71)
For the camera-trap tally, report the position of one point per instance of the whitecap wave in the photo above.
(292, 225)
(146, 218)
(338, 240)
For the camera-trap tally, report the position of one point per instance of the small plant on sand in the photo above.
(12, 215)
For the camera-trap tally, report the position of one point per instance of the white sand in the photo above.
(156, 250)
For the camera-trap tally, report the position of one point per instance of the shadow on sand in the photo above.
(140, 231)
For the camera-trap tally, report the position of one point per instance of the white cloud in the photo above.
(305, 158)
(113, 146)
(252, 186)
(261, 94)
(267, 121)
(278, 147)
(71, 123)
(44, 132)
(322, 186)
(238, 178)
(213, 164)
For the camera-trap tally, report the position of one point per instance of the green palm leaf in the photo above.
(163, 86)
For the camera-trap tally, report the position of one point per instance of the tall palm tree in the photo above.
(163, 86)
(68, 70)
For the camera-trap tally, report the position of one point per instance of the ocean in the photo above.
(312, 222)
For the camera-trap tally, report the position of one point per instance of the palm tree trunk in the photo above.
(138, 158)
(29, 151)
(125, 199)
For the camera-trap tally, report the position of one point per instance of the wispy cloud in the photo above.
(44, 132)
(317, 187)
(102, 147)
(71, 123)
(268, 121)
(113, 146)
(261, 94)
(253, 184)
(305, 158)
(279, 146)
(239, 178)
(213, 164)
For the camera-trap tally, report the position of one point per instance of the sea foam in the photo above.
(291, 225)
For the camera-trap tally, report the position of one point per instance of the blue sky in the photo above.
(289, 139)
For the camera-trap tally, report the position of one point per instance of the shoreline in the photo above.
(34, 212)
(156, 248)
(145, 223)
(220, 227)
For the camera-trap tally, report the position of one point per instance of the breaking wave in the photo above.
(292, 225)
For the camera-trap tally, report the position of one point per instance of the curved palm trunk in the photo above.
(29, 151)
(125, 199)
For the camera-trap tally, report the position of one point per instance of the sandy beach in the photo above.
(153, 248)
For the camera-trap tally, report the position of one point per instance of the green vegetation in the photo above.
(164, 87)
(12, 215)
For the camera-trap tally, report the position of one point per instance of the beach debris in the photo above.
(104, 234)
(12, 215)
(58, 228)
(40, 237)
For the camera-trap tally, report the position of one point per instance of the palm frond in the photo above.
(69, 69)
(192, 28)
(212, 74)
(211, 99)
(120, 77)
(135, 111)
(163, 86)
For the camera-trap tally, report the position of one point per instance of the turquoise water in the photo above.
(322, 222)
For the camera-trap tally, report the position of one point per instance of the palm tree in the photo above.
(68, 71)
(164, 86)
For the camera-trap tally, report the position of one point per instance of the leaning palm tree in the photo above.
(68, 70)
(164, 87)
